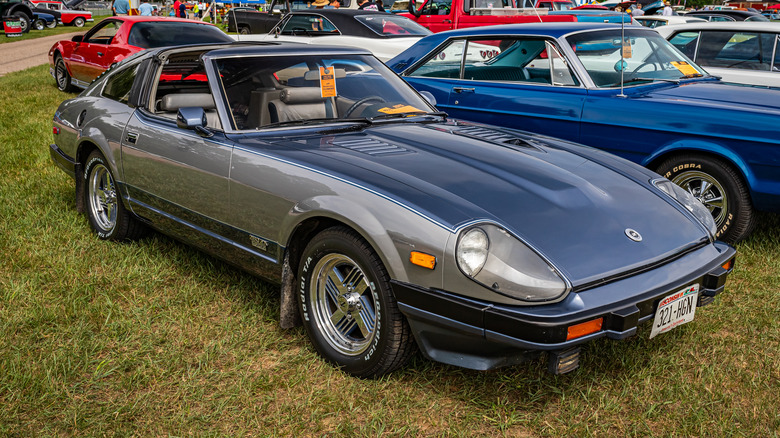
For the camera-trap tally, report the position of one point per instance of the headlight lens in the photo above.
(690, 203)
(473, 251)
(497, 260)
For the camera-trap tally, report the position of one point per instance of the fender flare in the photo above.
(705, 147)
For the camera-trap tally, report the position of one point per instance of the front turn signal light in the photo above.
(421, 259)
(585, 328)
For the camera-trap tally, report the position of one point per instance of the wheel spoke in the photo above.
(337, 282)
(354, 277)
(365, 317)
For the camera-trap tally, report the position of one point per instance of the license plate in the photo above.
(675, 310)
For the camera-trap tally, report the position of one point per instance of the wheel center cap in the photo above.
(349, 301)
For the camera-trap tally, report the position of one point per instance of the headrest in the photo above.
(172, 102)
(301, 95)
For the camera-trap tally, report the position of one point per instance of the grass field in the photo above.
(153, 338)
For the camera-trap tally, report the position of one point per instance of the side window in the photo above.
(444, 64)
(776, 65)
(307, 24)
(118, 85)
(517, 60)
(743, 50)
(104, 34)
(437, 7)
(686, 42)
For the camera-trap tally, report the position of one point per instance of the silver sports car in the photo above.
(387, 225)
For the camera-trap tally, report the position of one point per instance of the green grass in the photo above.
(153, 338)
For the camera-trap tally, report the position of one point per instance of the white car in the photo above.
(385, 35)
(654, 21)
(739, 52)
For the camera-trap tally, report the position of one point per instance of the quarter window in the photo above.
(118, 85)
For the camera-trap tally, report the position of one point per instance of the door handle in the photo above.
(463, 90)
(100, 53)
(448, 21)
(132, 137)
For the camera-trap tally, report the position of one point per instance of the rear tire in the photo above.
(243, 30)
(347, 307)
(52, 25)
(106, 212)
(39, 24)
(78, 22)
(61, 75)
(717, 185)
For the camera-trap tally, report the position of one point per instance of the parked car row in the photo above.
(483, 235)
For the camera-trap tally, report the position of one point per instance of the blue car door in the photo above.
(518, 82)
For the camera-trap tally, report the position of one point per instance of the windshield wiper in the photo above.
(409, 114)
(674, 81)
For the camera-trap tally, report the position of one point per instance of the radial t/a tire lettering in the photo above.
(347, 307)
(717, 185)
(105, 211)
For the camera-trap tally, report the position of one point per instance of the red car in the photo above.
(69, 17)
(76, 62)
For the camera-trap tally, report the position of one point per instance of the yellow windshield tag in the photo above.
(685, 68)
(328, 81)
(400, 108)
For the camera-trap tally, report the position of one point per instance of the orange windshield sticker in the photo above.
(328, 81)
(685, 68)
(626, 49)
(400, 108)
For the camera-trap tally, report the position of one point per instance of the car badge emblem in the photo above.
(633, 235)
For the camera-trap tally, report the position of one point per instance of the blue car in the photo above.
(387, 226)
(621, 89)
(42, 20)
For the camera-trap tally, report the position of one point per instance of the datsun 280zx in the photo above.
(625, 90)
(386, 224)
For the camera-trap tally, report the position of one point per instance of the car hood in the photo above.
(722, 95)
(572, 209)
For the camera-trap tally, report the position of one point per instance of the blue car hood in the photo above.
(722, 95)
(573, 209)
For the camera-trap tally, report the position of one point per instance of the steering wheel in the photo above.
(357, 104)
(644, 64)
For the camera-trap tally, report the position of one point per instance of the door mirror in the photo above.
(77, 38)
(194, 119)
(429, 97)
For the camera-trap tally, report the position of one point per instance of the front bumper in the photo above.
(481, 335)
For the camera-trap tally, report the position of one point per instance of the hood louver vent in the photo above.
(494, 136)
(371, 146)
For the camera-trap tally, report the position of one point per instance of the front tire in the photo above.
(24, 21)
(78, 22)
(347, 307)
(719, 187)
(52, 25)
(39, 24)
(107, 215)
(243, 30)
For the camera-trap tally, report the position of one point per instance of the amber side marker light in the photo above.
(728, 265)
(422, 259)
(585, 328)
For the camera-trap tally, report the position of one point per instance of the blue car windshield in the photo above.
(268, 91)
(642, 57)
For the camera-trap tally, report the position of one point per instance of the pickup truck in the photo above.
(442, 15)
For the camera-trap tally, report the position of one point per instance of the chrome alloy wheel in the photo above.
(61, 74)
(102, 197)
(345, 307)
(707, 190)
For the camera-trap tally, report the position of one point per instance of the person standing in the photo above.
(667, 9)
(367, 5)
(145, 9)
(121, 7)
(182, 10)
(637, 10)
(175, 8)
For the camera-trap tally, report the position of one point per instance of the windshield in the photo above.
(264, 91)
(392, 25)
(642, 57)
(175, 33)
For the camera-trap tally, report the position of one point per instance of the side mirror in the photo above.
(429, 97)
(77, 38)
(413, 8)
(194, 119)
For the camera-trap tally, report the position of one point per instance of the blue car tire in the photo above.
(725, 193)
